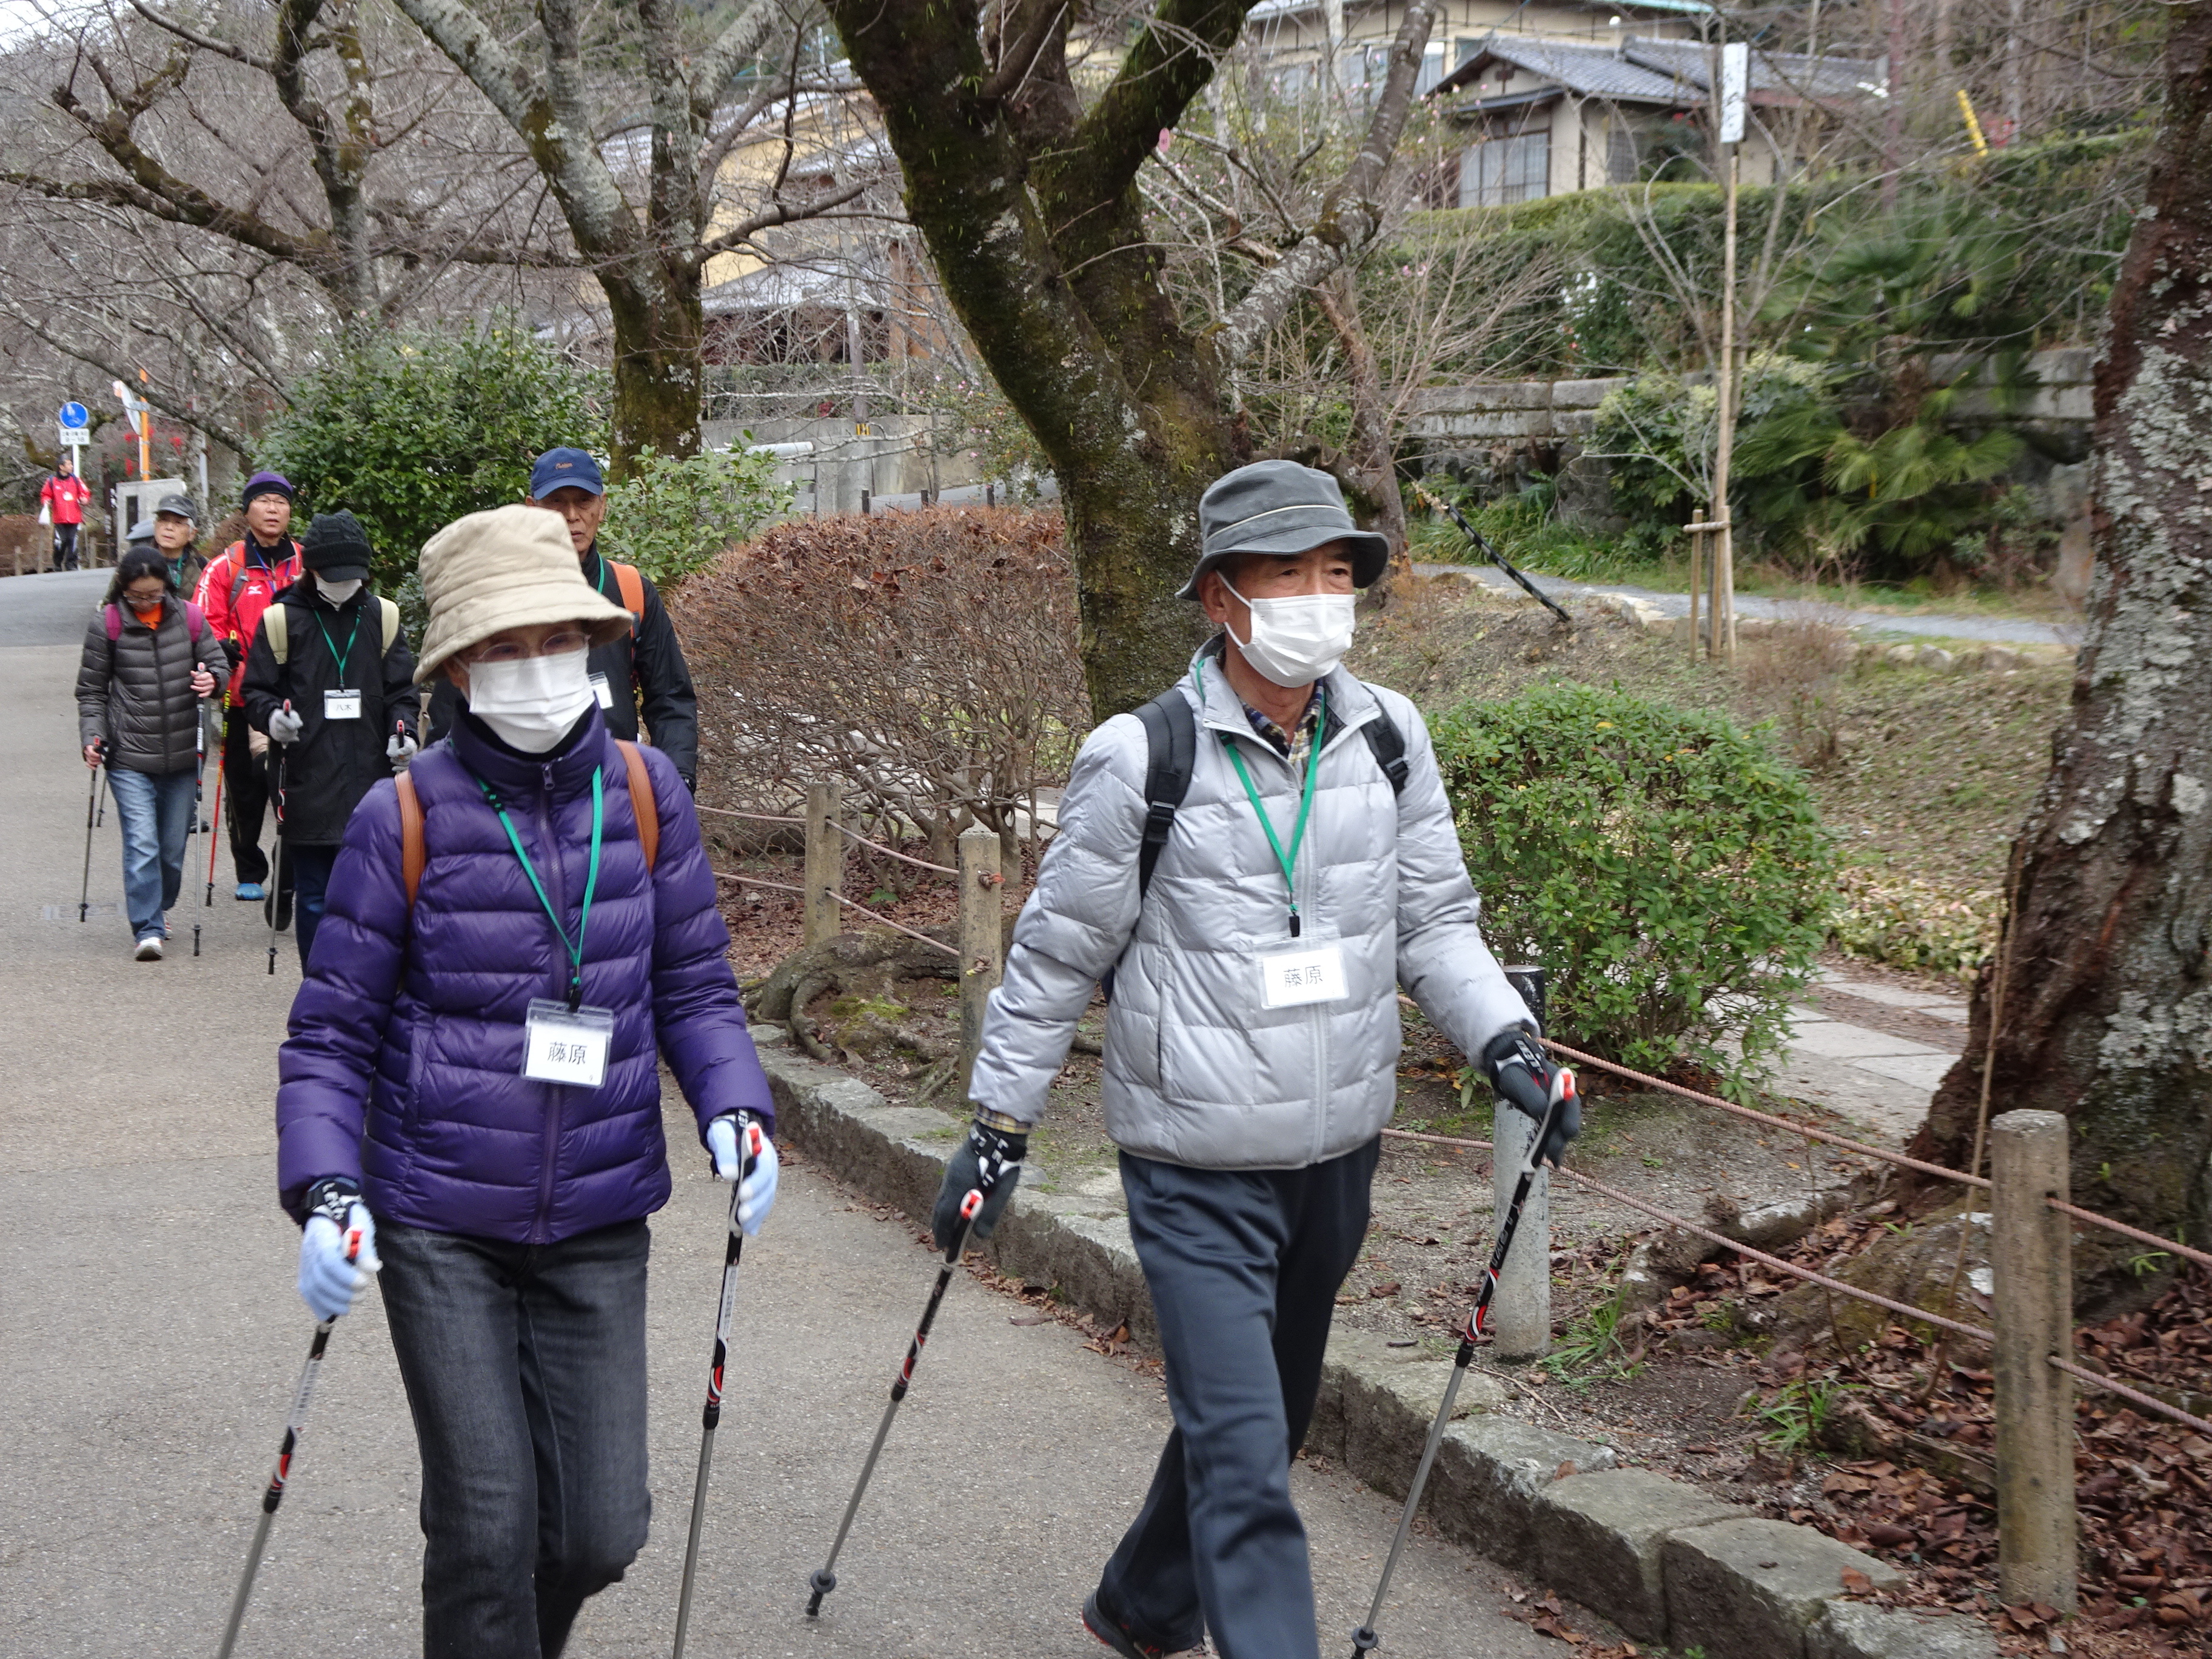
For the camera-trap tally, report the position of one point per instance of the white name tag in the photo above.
(565, 1046)
(1291, 977)
(341, 705)
(602, 691)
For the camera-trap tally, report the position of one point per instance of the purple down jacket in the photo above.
(403, 1065)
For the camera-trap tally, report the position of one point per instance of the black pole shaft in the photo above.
(91, 794)
(273, 1494)
(711, 1418)
(276, 866)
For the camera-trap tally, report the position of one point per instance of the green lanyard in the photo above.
(1288, 861)
(341, 656)
(591, 883)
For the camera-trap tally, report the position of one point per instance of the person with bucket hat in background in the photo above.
(1257, 861)
(331, 681)
(234, 589)
(644, 666)
(150, 660)
(520, 929)
(176, 533)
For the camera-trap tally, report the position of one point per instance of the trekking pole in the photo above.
(217, 816)
(825, 1579)
(749, 1135)
(192, 824)
(1364, 1640)
(294, 1424)
(276, 871)
(98, 778)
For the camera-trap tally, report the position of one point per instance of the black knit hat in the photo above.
(336, 546)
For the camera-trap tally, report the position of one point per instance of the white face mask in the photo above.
(1295, 641)
(532, 703)
(337, 592)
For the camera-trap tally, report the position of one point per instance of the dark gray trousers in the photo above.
(1244, 1267)
(524, 1368)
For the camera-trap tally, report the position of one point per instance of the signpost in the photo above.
(1735, 91)
(75, 431)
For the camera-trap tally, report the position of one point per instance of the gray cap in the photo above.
(141, 532)
(181, 506)
(1280, 507)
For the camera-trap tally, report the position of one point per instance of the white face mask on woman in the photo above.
(337, 592)
(1295, 641)
(532, 702)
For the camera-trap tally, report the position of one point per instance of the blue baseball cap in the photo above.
(565, 469)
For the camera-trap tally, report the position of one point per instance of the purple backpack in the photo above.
(195, 621)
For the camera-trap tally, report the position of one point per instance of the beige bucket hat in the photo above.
(513, 566)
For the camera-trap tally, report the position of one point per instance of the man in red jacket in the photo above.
(234, 590)
(63, 496)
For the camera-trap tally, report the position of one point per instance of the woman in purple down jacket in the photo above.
(471, 1087)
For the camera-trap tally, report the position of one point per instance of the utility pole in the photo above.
(1735, 95)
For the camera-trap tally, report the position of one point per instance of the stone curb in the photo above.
(1661, 1560)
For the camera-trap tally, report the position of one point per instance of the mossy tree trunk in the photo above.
(1028, 199)
(2107, 1001)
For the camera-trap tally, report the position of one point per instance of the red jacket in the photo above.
(66, 498)
(235, 589)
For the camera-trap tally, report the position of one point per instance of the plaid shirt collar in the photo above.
(1294, 746)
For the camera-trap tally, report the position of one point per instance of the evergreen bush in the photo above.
(1666, 868)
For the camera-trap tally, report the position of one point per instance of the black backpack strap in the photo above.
(1170, 754)
(1389, 744)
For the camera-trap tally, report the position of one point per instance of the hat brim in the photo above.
(351, 571)
(479, 616)
(1370, 551)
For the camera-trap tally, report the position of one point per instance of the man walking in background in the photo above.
(63, 496)
(645, 666)
(176, 532)
(233, 592)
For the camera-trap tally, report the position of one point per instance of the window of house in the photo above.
(1497, 171)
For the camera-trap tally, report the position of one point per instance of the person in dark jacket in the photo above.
(332, 685)
(470, 1085)
(150, 660)
(643, 666)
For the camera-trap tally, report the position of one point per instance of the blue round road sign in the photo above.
(74, 415)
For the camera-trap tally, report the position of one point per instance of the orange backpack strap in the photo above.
(412, 852)
(641, 799)
(631, 586)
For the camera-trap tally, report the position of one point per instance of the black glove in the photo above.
(233, 653)
(1523, 1078)
(990, 1162)
(690, 783)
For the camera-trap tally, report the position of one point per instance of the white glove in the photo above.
(755, 1191)
(400, 750)
(329, 1282)
(284, 725)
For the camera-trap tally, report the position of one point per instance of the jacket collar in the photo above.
(1351, 704)
(568, 766)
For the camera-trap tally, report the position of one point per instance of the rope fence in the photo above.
(2113, 1385)
(851, 834)
(760, 881)
(2121, 1227)
(752, 818)
(896, 926)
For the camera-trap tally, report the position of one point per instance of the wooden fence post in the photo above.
(982, 952)
(1521, 1314)
(825, 861)
(2031, 1256)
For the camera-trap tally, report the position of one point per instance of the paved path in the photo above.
(150, 1337)
(1881, 1079)
(2006, 630)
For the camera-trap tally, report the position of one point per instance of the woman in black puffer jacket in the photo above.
(150, 660)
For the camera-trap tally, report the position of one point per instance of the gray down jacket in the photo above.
(137, 692)
(1198, 1070)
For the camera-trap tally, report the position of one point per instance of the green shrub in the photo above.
(1666, 867)
(1911, 923)
(670, 517)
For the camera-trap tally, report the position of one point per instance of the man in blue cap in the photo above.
(645, 666)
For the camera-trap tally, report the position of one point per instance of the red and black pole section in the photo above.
(824, 1578)
(749, 1149)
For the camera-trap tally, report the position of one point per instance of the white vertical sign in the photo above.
(1736, 89)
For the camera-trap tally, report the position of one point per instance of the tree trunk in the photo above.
(2107, 1002)
(659, 328)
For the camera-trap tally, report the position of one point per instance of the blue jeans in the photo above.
(525, 1367)
(1244, 1266)
(156, 811)
(309, 867)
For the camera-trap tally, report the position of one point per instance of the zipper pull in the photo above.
(1294, 921)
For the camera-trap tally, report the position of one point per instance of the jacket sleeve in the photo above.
(445, 707)
(209, 655)
(402, 701)
(93, 671)
(1443, 961)
(1079, 920)
(325, 1067)
(665, 697)
(697, 1016)
(265, 687)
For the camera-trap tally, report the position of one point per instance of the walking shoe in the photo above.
(150, 948)
(251, 892)
(1113, 1635)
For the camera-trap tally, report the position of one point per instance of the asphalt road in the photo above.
(150, 1337)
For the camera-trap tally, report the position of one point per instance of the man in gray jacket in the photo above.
(1311, 869)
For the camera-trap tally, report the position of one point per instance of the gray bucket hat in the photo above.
(1280, 507)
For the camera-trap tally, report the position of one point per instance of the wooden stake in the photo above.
(2031, 1258)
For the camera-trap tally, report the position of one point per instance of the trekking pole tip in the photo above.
(821, 1581)
(1364, 1641)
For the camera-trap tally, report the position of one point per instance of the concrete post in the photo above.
(825, 862)
(982, 956)
(1521, 1320)
(2031, 1259)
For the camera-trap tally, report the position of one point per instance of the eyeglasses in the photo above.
(553, 644)
(139, 597)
